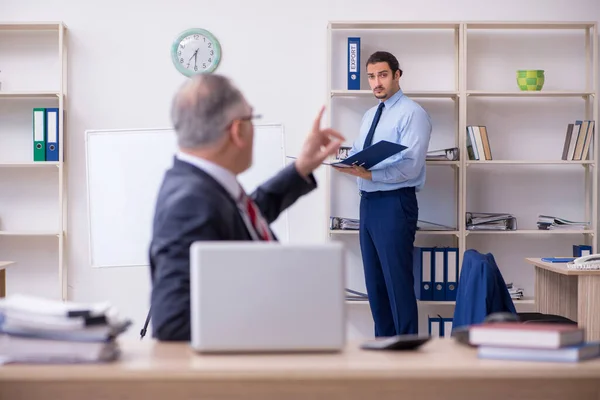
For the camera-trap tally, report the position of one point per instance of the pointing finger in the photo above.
(317, 122)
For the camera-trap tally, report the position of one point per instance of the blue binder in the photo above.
(580, 250)
(436, 326)
(447, 327)
(353, 63)
(371, 156)
(439, 274)
(422, 269)
(451, 266)
(52, 134)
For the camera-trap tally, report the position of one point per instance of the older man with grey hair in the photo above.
(201, 199)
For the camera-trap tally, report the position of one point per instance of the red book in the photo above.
(530, 335)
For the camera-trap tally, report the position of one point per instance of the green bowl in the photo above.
(530, 79)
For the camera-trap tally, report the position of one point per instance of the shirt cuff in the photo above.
(377, 175)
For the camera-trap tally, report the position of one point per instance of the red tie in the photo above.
(256, 219)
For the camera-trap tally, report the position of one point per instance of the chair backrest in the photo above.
(481, 290)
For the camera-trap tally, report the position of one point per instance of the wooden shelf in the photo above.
(29, 95)
(4, 264)
(533, 232)
(29, 233)
(525, 300)
(443, 162)
(534, 94)
(31, 26)
(415, 94)
(529, 25)
(529, 162)
(465, 109)
(369, 25)
(48, 94)
(419, 232)
(38, 164)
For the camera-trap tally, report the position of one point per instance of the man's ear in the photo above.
(236, 133)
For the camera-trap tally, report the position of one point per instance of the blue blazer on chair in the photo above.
(481, 290)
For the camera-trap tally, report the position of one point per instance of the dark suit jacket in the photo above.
(481, 290)
(192, 206)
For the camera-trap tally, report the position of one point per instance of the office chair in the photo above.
(482, 296)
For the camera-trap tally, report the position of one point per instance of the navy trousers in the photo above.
(388, 223)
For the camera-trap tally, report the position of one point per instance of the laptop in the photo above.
(267, 297)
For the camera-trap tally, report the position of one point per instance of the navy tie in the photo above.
(369, 138)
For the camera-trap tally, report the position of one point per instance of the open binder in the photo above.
(370, 156)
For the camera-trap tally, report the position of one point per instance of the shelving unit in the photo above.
(463, 89)
(33, 65)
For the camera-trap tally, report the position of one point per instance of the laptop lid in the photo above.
(265, 296)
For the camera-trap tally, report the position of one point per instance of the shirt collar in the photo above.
(392, 100)
(222, 175)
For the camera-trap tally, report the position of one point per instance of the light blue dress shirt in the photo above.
(402, 121)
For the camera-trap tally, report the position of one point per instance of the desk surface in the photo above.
(150, 370)
(560, 268)
(439, 358)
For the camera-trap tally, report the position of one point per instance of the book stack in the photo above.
(532, 342)
(577, 140)
(39, 330)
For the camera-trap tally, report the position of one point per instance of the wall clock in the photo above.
(195, 51)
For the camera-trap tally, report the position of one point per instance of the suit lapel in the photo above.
(187, 168)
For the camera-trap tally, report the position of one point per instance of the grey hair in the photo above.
(202, 109)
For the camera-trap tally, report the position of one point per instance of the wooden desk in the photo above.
(571, 293)
(441, 369)
(3, 265)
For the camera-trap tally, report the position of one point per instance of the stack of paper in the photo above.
(343, 223)
(516, 293)
(449, 154)
(490, 221)
(39, 330)
(548, 222)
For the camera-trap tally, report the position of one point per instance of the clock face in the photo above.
(196, 51)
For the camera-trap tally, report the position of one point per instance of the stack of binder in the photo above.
(45, 134)
(490, 221)
(440, 326)
(39, 330)
(436, 272)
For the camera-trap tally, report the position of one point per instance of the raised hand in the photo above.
(320, 144)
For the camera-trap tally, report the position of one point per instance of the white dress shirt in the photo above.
(226, 179)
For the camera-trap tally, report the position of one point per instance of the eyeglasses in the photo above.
(250, 117)
(246, 118)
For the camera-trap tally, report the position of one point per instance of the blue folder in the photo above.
(371, 156)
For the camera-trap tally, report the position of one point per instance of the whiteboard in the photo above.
(125, 169)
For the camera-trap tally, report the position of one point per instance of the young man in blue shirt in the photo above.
(388, 204)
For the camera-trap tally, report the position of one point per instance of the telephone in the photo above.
(591, 262)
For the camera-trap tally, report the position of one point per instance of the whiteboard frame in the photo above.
(93, 132)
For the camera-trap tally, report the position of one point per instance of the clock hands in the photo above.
(195, 56)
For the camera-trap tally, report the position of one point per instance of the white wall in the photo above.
(121, 76)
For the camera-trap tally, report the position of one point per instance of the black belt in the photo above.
(385, 193)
